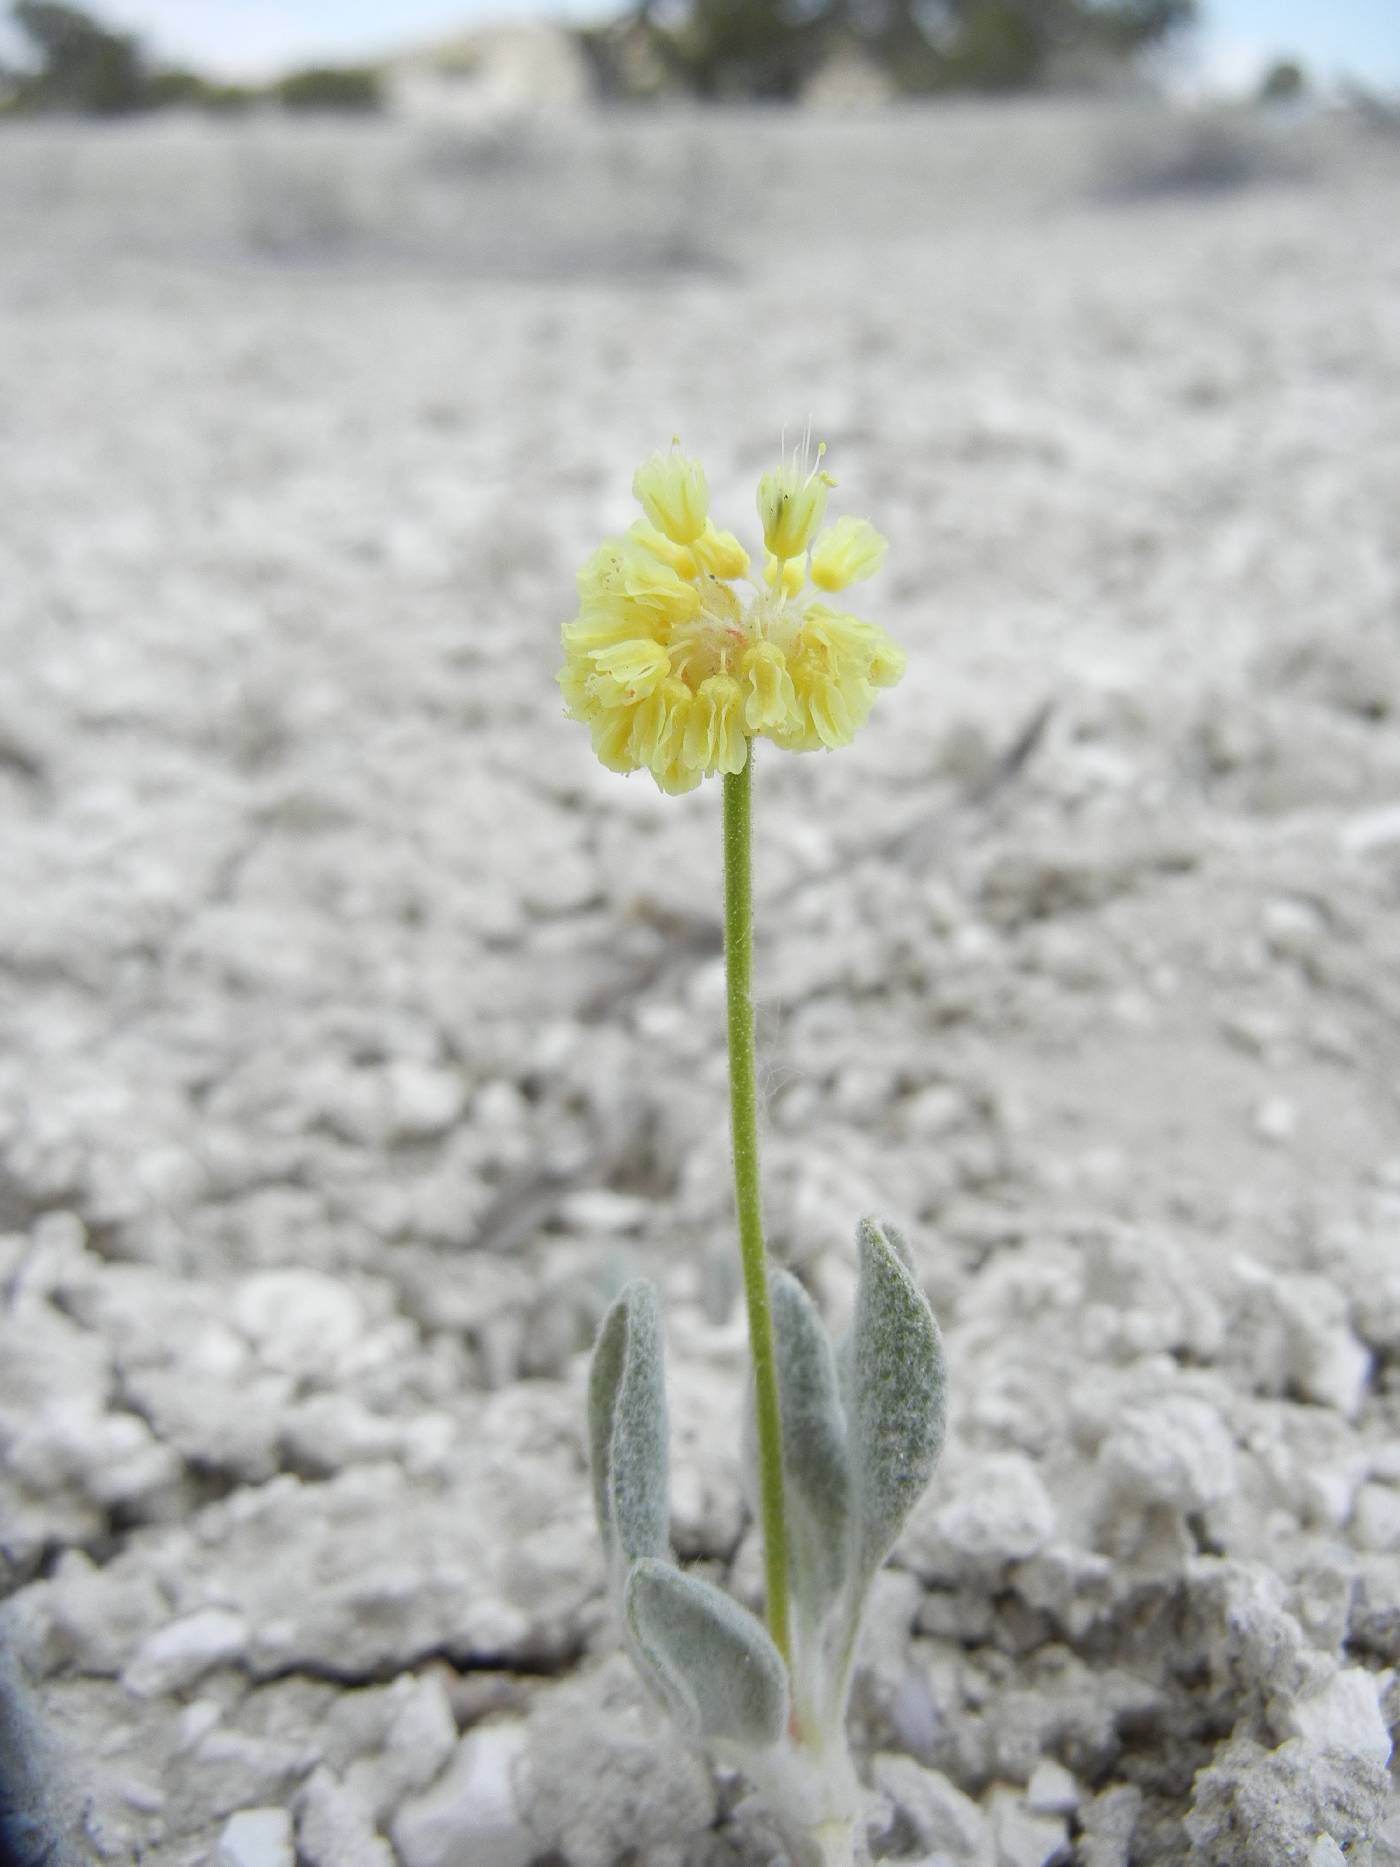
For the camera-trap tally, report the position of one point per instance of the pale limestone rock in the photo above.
(1024, 1839)
(1293, 1332)
(1256, 1808)
(60, 1365)
(498, 1108)
(301, 1322)
(367, 1571)
(238, 1767)
(1109, 1823)
(891, 1611)
(425, 1100)
(1144, 1294)
(1174, 1452)
(1276, 1119)
(195, 1722)
(1071, 1584)
(1002, 1514)
(181, 1653)
(1052, 1789)
(329, 1431)
(940, 1817)
(1386, 1840)
(109, 1458)
(1321, 1596)
(935, 1112)
(1343, 1718)
(420, 1738)
(707, 1486)
(599, 1209)
(1245, 1626)
(1376, 1290)
(471, 1816)
(334, 1829)
(1372, 831)
(256, 1838)
(1375, 1517)
(92, 1619)
(562, 885)
(608, 1775)
(219, 1419)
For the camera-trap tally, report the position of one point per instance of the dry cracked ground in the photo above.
(360, 1035)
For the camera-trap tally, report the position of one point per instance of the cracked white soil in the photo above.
(359, 1034)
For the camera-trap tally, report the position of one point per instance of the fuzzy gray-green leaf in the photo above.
(711, 1661)
(898, 1393)
(896, 1240)
(816, 1464)
(627, 1427)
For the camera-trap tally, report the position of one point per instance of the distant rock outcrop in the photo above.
(498, 72)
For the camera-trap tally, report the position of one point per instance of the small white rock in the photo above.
(1375, 1517)
(936, 1111)
(1003, 1515)
(301, 1322)
(1175, 1452)
(1294, 1331)
(1325, 1852)
(331, 1430)
(256, 1838)
(424, 1100)
(560, 884)
(1386, 1841)
(599, 1209)
(1052, 1790)
(195, 1723)
(335, 1829)
(177, 1655)
(421, 1736)
(1024, 1839)
(1109, 1823)
(1293, 927)
(498, 1108)
(1344, 1718)
(942, 1818)
(1276, 1119)
(1337, 1373)
(470, 1817)
(1372, 830)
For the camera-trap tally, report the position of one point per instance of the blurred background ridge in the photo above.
(146, 55)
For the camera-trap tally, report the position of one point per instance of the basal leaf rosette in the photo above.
(679, 655)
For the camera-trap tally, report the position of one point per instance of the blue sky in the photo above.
(1334, 38)
(1359, 38)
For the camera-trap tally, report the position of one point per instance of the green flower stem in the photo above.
(743, 1104)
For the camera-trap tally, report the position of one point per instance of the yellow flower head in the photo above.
(678, 655)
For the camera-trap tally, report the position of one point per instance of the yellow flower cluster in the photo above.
(673, 669)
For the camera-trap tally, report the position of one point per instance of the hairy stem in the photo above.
(743, 1105)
